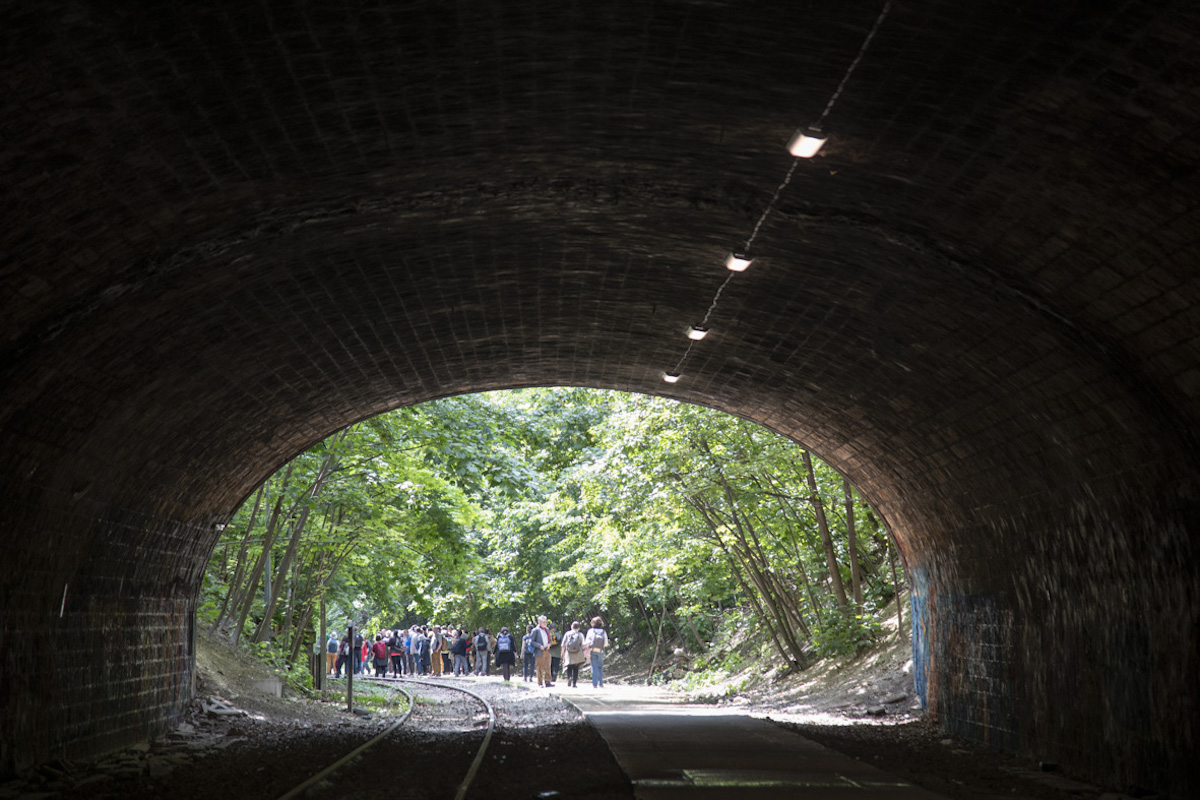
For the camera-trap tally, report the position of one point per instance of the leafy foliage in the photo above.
(491, 509)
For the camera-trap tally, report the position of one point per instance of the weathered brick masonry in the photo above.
(231, 228)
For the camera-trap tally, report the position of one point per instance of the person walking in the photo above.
(420, 651)
(491, 650)
(426, 654)
(447, 660)
(331, 648)
(555, 654)
(435, 650)
(527, 654)
(481, 652)
(412, 658)
(396, 652)
(506, 652)
(459, 650)
(379, 652)
(572, 654)
(343, 659)
(596, 642)
(541, 651)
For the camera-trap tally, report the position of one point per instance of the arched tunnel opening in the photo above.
(231, 230)
(486, 510)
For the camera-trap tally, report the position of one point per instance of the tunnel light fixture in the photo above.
(806, 142)
(737, 262)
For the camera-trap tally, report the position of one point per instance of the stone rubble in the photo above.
(210, 730)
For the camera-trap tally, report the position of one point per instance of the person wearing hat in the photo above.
(541, 651)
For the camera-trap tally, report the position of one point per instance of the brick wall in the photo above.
(233, 228)
(1067, 657)
(97, 625)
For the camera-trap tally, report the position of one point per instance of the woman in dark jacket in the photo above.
(506, 652)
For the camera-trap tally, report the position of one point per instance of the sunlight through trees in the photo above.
(490, 509)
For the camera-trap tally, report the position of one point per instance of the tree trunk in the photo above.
(896, 591)
(688, 619)
(776, 597)
(299, 622)
(835, 575)
(657, 642)
(762, 600)
(852, 548)
(795, 540)
(321, 578)
(239, 570)
(296, 595)
(256, 573)
(264, 629)
(645, 615)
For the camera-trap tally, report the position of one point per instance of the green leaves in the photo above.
(489, 509)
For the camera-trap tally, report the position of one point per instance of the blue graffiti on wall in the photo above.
(919, 603)
(962, 647)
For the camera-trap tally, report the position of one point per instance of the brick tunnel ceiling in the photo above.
(236, 227)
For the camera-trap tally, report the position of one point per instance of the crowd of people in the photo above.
(434, 650)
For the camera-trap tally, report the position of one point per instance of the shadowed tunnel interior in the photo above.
(232, 228)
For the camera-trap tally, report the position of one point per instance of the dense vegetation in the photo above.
(490, 509)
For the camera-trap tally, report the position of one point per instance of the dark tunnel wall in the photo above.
(233, 228)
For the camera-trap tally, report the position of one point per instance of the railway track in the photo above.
(439, 707)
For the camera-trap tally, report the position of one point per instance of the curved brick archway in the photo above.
(232, 229)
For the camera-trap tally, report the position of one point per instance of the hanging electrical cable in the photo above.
(805, 143)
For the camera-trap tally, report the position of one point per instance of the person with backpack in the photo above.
(396, 653)
(506, 652)
(379, 652)
(596, 641)
(527, 654)
(572, 654)
(481, 652)
(331, 648)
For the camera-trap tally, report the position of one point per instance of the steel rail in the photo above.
(487, 738)
(341, 762)
(472, 771)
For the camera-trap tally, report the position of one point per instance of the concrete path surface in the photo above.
(673, 751)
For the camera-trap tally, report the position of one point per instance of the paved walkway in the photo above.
(673, 751)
